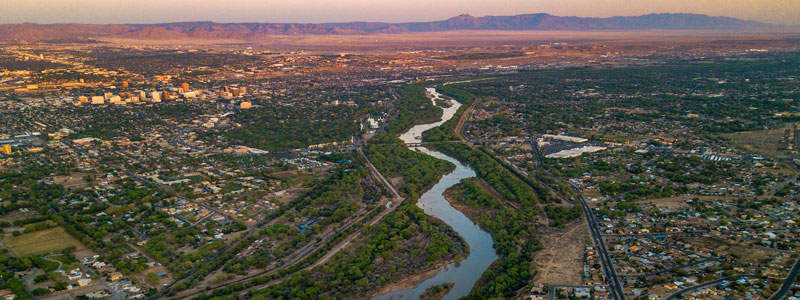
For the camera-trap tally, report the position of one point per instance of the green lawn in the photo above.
(42, 242)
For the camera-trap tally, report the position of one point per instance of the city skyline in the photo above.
(316, 11)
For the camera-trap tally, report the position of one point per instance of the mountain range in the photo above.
(32, 32)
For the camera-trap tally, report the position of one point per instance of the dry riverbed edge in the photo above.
(562, 258)
(415, 279)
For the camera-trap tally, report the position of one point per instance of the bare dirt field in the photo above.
(765, 142)
(673, 203)
(755, 255)
(74, 180)
(678, 202)
(290, 195)
(561, 261)
(18, 215)
(141, 276)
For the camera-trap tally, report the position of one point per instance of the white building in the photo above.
(156, 96)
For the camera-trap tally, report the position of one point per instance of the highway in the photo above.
(607, 263)
(787, 283)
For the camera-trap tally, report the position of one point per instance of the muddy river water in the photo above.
(466, 272)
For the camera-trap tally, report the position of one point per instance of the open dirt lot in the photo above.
(755, 255)
(561, 261)
(18, 215)
(74, 180)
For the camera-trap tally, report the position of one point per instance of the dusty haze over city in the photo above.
(323, 11)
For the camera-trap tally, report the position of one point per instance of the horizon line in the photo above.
(407, 22)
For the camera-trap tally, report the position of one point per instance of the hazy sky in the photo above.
(313, 11)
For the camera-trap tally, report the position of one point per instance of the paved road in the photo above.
(461, 128)
(657, 233)
(116, 294)
(379, 175)
(53, 260)
(787, 283)
(535, 145)
(704, 285)
(311, 248)
(142, 179)
(668, 269)
(608, 266)
(551, 291)
(395, 203)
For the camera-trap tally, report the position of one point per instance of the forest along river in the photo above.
(466, 272)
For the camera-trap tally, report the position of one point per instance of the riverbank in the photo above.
(464, 273)
(414, 280)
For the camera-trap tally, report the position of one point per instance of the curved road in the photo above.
(707, 284)
(787, 284)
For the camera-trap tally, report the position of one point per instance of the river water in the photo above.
(466, 272)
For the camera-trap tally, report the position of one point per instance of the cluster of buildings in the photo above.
(661, 249)
(139, 96)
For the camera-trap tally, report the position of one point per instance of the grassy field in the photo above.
(125, 248)
(42, 242)
(765, 142)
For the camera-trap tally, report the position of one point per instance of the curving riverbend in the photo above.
(466, 272)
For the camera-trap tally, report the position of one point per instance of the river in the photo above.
(466, 272)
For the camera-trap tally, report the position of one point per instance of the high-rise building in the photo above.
(97, 100)
(245, 105)
(185, 87)
(155, 96)
(165, 96)
(124, 84)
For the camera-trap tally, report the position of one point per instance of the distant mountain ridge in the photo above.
(211, 30)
